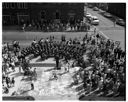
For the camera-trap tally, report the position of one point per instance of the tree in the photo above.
(104, 6)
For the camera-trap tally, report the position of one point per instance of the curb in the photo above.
(101, 33)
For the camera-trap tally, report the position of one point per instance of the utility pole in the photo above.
(99, 5)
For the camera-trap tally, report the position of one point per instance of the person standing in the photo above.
(95, 31)
(20, 65)
(32, 86)
(57, 58)
(8, 81)
(13, 81)
(23, 27)
(114, 22)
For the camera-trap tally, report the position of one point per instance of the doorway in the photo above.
(23, 19)
(6, 20)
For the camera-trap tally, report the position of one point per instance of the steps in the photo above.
(37, 62)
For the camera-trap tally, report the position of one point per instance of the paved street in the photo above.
(25, 38)
(104, 22)
(116, 33)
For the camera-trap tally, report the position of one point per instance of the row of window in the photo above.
(15, 5)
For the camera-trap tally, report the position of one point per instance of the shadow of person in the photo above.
(25, 91)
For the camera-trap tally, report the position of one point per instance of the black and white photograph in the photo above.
(63, 51)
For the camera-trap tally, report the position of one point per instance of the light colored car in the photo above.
(95, 20)
(88, 16)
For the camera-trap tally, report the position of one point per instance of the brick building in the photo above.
(15, 13)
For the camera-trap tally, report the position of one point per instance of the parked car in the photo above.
(95, 9)
(108, 15)
(95, 20)
(89, 16)
(120, 22)
(90, 6)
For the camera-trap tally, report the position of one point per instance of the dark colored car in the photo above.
(108, 15)
(120, 22)
(95, 9)
(101, 11)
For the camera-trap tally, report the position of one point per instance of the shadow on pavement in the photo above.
(26, 79)
(38, 60)
(18, 98)
(17, 74)
(48, 70)
(62, 73)
(96, 98)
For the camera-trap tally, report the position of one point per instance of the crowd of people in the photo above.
(11, 60)
(106, 58)
(52, 26)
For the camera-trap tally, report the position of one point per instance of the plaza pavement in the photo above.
(45, 89)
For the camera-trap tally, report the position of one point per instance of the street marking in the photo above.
(104, 35)
(101, 32)
(92, 92)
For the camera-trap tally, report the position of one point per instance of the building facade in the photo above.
(13, 12)
(118, 9)
(16, 13)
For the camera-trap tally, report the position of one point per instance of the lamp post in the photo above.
(86, 10)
